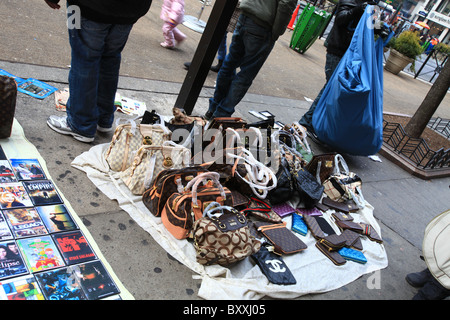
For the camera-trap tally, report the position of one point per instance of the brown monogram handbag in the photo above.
(222, 236)
(8, 96)
(182, 209)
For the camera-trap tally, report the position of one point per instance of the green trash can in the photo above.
(309, 26)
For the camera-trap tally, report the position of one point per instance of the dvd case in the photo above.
(28, 169)
(60, 284)
(6, 172)
(56, 218)
(11, 262)
(25, 222)
(40, 253)
(13, 195)
(42, 192)
(74, 247)
(5, 232)
(20, 288)
(95, 280)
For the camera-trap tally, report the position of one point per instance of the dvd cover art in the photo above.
(20, 288)
(74, 247)
(95, 280)
(28, 169)
(25, 222)
(5, 232)
(11, 262)
(60, 284)
(42, 192)
(40, 253)
(13, 195)
(6, 172)
(57, 218)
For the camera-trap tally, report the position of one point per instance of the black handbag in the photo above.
(285, 184)
(309, 188)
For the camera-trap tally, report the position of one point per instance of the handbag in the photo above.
(222, 236)
(283, 239)
(344, 185)
(150, 161)
(8, 97)
(273, 267)
(182, 209)
(166, 183)
(128, 138)
(321, 166)
(309, 189)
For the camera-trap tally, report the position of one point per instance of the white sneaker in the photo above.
(59, 124)
(104, 130)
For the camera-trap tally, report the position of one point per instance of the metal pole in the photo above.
(204, 55)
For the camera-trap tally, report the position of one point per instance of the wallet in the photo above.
(334, 256)
(283, 209)
(262, 210)
(340, 216)
(353, 255)
(299, 225)
(340, 206)
(283, 239)
(352, 239)
(273, 267)
(309, 212)
(333, 242)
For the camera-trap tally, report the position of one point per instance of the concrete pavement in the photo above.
(403, 203)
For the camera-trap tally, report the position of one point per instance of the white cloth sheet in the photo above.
(314, 272)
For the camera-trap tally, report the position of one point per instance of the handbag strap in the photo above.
(193, 185)
(339, 160)
(215, 206)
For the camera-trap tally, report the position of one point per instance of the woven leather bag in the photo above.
(183, 209)
(128, 138)
(150, 161)
(223, 238)
(166, 183)
(8, 96)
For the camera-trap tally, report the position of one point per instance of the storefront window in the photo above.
(444, 7)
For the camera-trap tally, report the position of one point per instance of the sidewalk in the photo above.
(403, 204)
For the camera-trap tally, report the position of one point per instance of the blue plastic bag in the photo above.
(349, 114)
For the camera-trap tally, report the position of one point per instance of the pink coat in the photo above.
(173, 9)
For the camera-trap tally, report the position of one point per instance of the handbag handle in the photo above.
(215, 206)
(193, 184)
(339, 160)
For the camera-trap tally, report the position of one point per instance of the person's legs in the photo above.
(249, 52)
(109, 73)
(169, 38)
(178, 35)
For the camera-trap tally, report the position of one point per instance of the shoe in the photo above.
(217, 67)
(187, 65)
(103, 129)
(418, 279)
(432, 290)
(59, 124)
(208, 115)
(166, 45)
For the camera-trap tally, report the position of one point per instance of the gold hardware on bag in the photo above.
(167, 163)
(147, 140)
(328, 164)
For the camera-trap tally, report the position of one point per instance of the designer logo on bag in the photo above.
(276, 266)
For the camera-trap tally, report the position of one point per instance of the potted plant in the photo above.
(403, 50)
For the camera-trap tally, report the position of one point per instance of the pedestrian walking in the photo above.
(96, 46)
(259, 26)
(348, 14)
(172, 13)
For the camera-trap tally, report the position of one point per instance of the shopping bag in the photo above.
(349, 114)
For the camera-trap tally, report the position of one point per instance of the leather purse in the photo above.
(334, 256)
(128, 138)
(283, 239)
(150, 161)
(309, 189)
(346, 207)
(353, 255)
(283, 209)
(182, 209)
(166, 183)
(222, 236)
(321, 166)
(8, 97)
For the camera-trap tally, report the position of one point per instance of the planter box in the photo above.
(396, 62)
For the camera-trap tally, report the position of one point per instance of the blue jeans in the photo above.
(250, 46)
(222, 51)
(94, 74)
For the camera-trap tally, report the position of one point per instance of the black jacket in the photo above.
(112, 11)
(347, 16)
